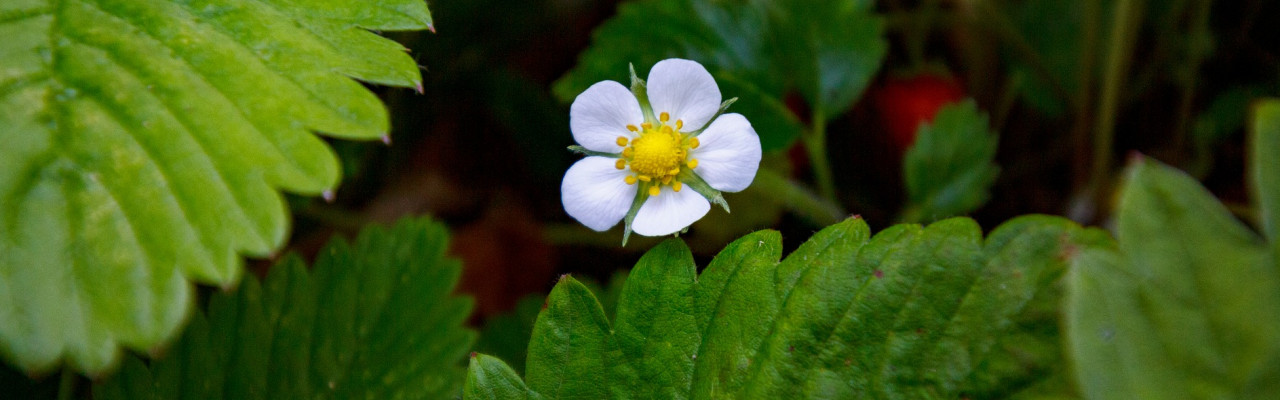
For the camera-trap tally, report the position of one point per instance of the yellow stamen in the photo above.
(679, 124)
(622, 141)
(692, 163)
(630, 179)
(674, 171)
(646, 126)
(627, 152)
(645, 178)
(693, 143)
(633, 128)
(653, 190)
(664, 116)
(666, 129)
(676, 186)
(666, 180)
(620, 164)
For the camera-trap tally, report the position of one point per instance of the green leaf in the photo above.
(1266, 167)
(1186, 306)
(910, 312)
(758, 51)
(951, 167)
(144, 142)
(374, 319)
(506, 336)
(490, 378)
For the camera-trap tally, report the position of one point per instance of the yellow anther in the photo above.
(633, 128)
(654, 190)
(693, 143)
(673, 171)
(692, 163)
(666, 129)
(622, 140)
(679, 124)
(646, 126)
(666, 180)
(645, 178)
(627, 152)
(620, 164)
(630, 179)
(676, 186)
(664, 116)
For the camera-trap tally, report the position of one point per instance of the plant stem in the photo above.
(1084, 99)
(1119, 52)
(816, 143)
(66, 384)
(798, 198)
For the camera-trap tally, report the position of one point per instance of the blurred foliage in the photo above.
(912, 311)
(373, 319)
(951, 167)
(759, 51)
(1187, 304)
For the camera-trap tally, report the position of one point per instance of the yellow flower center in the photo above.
(657, 156)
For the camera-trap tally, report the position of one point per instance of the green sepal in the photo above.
(642, 194)
(641, 91)
(695, 182)
(586, 152)
(723, 107)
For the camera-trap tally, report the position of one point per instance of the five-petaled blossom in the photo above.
(658, 154)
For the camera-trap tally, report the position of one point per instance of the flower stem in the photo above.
(66, 384)
(816, 143)
(1119, 53)
(797, 198)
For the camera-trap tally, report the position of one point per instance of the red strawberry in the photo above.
(905, 102)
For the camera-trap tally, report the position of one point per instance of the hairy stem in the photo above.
(797, 198)
(816, 143)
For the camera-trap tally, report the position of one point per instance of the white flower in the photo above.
(658, 154)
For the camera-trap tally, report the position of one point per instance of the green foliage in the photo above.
(1187, 305)
(1266, 167)
(951, 167)
(143, 145)
(759, 51)
(912, 312)
(506, 336)
(372, 320)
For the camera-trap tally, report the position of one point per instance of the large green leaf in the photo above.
(759, 51)
(951, 167)
(1266, 167)
(372, 320)
(911, 312)
(144, 141)
(1186, 306)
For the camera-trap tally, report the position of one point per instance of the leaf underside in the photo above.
(371, 320)
(1187, 305)
(912, 312)
(143, 145)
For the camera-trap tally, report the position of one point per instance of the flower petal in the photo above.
(601, 113)
(669, 212)
(684, 89)
(728, 153)
(594, 193)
